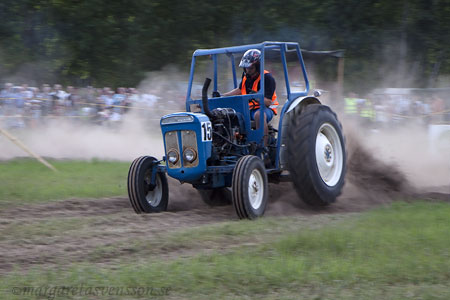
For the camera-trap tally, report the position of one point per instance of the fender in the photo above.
(284, 123)
(303, 101)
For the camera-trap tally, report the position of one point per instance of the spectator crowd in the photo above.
(390, 109)
(23, 106)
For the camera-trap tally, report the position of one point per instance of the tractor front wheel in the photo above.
(249, 187)
(145, 197)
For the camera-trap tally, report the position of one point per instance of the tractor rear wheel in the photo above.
(316, 154)
(144, 197)
(216, 197)
(249, 187)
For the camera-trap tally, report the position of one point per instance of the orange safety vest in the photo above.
(253, 104)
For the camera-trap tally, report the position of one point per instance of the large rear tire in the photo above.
(316, 154)
(249, 187)
(143, 197)
(216, 197)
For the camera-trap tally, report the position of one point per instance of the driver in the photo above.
(250, 84)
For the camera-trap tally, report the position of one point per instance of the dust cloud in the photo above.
(382, 166)
(63, 139)
(409, 151)
(138, 133)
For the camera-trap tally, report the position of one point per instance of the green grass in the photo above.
(397, 252)
(221, 237)
(27, 181)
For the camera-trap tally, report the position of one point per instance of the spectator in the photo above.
(6, 96)
(72, 101)
(106, 97)
(47, 100)
(59, 97)
(35, 108)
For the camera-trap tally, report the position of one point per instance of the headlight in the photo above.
(189, 155)
(177, 119)
(172, 156)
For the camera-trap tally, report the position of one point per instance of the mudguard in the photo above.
(303, 101)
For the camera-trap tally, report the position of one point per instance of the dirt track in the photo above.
(80, 226)
(104, 230)
(78, 230)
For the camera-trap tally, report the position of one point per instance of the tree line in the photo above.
(99, 42)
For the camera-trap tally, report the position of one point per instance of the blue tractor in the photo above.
(216, 147)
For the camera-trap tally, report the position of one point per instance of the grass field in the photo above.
(27, 181)
(398, 251)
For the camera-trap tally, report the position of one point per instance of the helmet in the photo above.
(250, 57)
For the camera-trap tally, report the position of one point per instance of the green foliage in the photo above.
(115, 43)
(27, 181)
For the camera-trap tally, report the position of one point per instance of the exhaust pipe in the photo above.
(205, 98)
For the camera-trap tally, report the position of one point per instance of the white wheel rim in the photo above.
(154, 197)
(255, 189)
(329, 154)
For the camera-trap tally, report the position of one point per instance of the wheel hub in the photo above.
(324, 153)
(255, 189)
(153, 191)
(329, 154)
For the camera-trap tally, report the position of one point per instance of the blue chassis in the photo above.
(255, 135)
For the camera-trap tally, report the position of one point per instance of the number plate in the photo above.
(206, 131)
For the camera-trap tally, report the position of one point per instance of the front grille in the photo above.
(189, 140)
(171, 138)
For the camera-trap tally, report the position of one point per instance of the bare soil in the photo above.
(104, 230)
